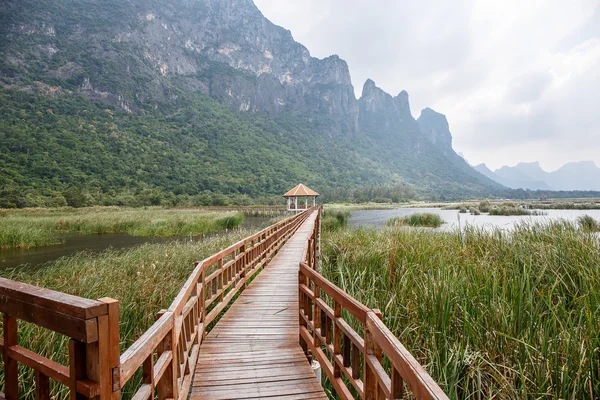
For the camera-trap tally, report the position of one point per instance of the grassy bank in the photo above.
(42, 227)
(503, 316)
(430, 220)
(144, 279)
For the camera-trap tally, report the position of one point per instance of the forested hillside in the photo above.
(202, 102)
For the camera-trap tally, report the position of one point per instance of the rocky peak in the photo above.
(434, 126)
(374, 99)
(379, 111)
(402, 100)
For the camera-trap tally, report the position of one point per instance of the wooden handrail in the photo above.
(176, 336)
(91, 325)
(166, 353)
(326, 335)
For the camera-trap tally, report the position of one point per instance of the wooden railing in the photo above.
(93, 329)
(353, 362)
(166, 353)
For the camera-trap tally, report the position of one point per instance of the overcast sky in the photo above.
(519, 80)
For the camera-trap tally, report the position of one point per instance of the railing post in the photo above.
(243, 266)
(221, 273)
(203, 299)
(112, 347)
(92, 361)
(77, 367)
(175, 350)
(337, 339)
(371, 387)
(166, 383)
(317, 314)
(11, 369)
(301, 303)
(42, 386)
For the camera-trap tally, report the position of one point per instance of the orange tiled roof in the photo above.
(301, 191)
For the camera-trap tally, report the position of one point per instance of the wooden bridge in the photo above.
(231, 333)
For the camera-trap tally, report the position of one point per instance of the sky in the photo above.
(519, 80)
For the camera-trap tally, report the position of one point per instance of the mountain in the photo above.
(197, 99)
(584, 175)
(523, 175)
(434, 126)
(484, 170)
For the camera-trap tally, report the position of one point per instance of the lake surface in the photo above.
(378, 218)
(35, 256)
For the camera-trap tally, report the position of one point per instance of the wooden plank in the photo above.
(253, 350)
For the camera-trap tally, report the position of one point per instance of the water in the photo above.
(35, 256)
(378, 218)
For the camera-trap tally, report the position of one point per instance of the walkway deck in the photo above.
(253, 351)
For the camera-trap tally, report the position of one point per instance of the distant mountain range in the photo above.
(583, 175)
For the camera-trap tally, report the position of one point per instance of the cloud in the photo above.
(529, 87)
(515, 79)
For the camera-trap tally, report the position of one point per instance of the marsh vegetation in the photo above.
(42, 227)
(430, 220)
(489, 314)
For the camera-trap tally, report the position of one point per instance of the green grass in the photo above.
(509, 316)
(144, 279)
(431, 220)
(42, 227)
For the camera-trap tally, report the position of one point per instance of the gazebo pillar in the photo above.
(295, 202)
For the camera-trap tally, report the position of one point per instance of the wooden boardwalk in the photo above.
(259, 326)
(253, 351)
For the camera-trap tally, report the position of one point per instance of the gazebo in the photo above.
(300, 191)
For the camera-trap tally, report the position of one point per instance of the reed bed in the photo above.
(516, 210)
(500, 315)
(430, 220)
(30, 228)
(334, 219)
(588, 223)
(145, 280)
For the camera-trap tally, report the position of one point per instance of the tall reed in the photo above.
(499, 315)
(430, 220)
